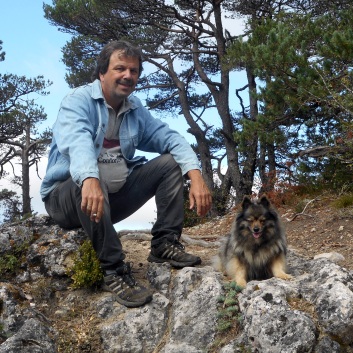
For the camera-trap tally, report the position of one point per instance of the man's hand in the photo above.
(92, 199)
(199, 194)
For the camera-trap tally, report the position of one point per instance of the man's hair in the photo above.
(123, 46)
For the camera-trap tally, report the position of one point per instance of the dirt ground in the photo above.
(320, 228)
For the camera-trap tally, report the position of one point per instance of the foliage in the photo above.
(81, 64)
(10, 205)
(296, 56)
(324, 174)
(8, 264)
(11, 261)
(343, 201)
(304, 62)
(86, 270)
(2, 53)
(20, 139)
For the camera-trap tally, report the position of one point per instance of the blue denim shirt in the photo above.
(79, 131)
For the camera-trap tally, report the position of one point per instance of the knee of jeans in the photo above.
(76, 190)
(168, 159)
(171, 164)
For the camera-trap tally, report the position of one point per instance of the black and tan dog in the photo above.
(256, 247)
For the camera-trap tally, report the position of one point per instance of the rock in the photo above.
(32, 337)
(332, 256)
(326, 345)
(136, 330)
(194, 311)
(311, 313)
(11, 314)
(159, 276)
(270, 324)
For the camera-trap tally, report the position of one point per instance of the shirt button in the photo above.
(97, 145)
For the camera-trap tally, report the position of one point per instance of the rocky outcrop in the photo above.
(311, 313)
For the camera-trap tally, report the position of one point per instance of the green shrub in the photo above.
(319, 175)
(10, 262)
(86, 270)
(343, 201)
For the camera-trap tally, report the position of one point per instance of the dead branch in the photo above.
(145, 234)
(302, 213)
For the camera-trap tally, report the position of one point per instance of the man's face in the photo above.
(120, 79)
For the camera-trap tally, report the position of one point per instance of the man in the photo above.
(93, 179)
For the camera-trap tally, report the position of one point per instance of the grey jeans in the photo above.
(161, 177)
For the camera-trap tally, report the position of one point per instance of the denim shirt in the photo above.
(79, 131)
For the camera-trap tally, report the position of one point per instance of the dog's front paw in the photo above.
(285, 276)
(241, 282)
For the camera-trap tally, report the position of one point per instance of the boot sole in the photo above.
(128, 304)
(176, 264)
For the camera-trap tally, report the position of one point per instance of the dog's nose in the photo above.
(256, 229)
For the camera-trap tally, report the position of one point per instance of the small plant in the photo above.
(343, 201)
(229, 317)
(229, 312)
(300, 206)
(86, 270)
(11, 261)
(8, 264)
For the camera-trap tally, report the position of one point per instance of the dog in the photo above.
(256, 247)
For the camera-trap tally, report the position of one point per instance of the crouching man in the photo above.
(94, 180)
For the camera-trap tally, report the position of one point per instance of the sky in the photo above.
(33, 48)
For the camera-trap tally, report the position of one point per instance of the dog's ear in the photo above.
(246, 202)
(264, 201)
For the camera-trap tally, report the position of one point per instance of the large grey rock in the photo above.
(194, 312)
(11, 313)
(136, 330)
(32, 337)
(188, 325)
(270, 324)
(330, 289)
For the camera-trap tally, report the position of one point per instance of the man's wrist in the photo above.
(194, 173)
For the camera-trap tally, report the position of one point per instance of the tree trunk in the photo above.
(267, 169)
(246, 183)
(26, 199)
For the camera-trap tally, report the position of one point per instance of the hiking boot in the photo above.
(174, 253)
(123, 284)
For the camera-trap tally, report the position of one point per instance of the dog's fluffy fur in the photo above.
(256, 247)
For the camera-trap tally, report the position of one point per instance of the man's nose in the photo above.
(127, 74)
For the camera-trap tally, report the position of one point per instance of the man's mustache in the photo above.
(125, 82)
